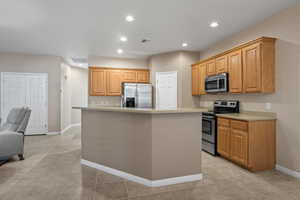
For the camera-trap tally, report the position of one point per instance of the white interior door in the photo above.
(166, 90)
(26, 89)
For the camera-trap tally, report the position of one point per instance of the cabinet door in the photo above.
(113, 82)
(195, 80)
(97, 85)
(223, 146)
(202, 76)
(129, 76)
(235, 72)
(252, 68)
(221, 64)
(239, 146)
(143, 76)
(211, 67)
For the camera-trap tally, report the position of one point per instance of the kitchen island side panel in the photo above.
(176, 140)
(118, 140)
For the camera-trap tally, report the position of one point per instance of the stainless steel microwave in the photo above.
(217, 83)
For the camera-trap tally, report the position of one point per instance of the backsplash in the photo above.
(248, 102)
(105, 100)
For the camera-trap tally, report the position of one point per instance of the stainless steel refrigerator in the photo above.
(136, 95)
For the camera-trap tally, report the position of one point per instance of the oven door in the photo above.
(209, 129)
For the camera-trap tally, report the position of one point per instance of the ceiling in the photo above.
(79, 28)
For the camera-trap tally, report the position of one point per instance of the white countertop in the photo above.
(142, 110)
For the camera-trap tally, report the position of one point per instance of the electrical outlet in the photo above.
(268, 106)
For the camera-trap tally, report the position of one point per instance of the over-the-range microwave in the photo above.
(217, 83)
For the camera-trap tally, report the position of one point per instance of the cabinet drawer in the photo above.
(223, 122)
(240, 125)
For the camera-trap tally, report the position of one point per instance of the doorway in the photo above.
(26, 89)
(166, 90)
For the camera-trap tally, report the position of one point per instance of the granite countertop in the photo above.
(250, 116)
(142, 110)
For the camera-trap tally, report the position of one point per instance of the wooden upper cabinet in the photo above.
(195, 80)
(143, 76)
(97, 83)
(252, 68)
(202, 76)
(129, 76)
(235, 70)
(221, 64)
(211, 67)
(108, 81)
(113, 82)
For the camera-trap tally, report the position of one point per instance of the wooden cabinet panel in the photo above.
(129, 76)
(222, 64)
(223, 139)
(239, 125)
(211, 67)
(202, 76)
(97, 83)
(223, 122)
(239, 146)
(143, 76)
(235, 71)
(251, 66)
(113, 82)
(249, 144)
(252, 72)
(195, 80)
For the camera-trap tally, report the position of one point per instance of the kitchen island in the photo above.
(149, 146)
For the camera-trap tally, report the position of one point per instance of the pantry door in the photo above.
(166, 90)
(26, 89)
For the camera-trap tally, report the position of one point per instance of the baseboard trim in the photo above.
(52, 133)
(147, 182)
(70, 126)
(288, 171)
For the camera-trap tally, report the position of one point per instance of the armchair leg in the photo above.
(21, 156)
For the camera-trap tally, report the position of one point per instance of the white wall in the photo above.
(79, 97)
(179, 61)
(66, 92)
(14, 62)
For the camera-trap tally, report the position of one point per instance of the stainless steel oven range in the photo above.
(209, 123)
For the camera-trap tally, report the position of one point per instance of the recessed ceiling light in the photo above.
(120, 51)
(130, 18)
(214, 24)
(184, 44)
(123, 39)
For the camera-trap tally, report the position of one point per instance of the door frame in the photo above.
(46, 96)
(157, 74)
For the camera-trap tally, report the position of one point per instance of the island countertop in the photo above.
(142, 110)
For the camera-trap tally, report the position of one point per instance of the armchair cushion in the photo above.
(14, 119)
(11, 143)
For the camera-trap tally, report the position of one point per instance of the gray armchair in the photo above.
(12, 133)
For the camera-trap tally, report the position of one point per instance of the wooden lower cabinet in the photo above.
(224, 141)
(250, 144)
(239, 146)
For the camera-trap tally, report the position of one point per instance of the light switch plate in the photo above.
(268, 106)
